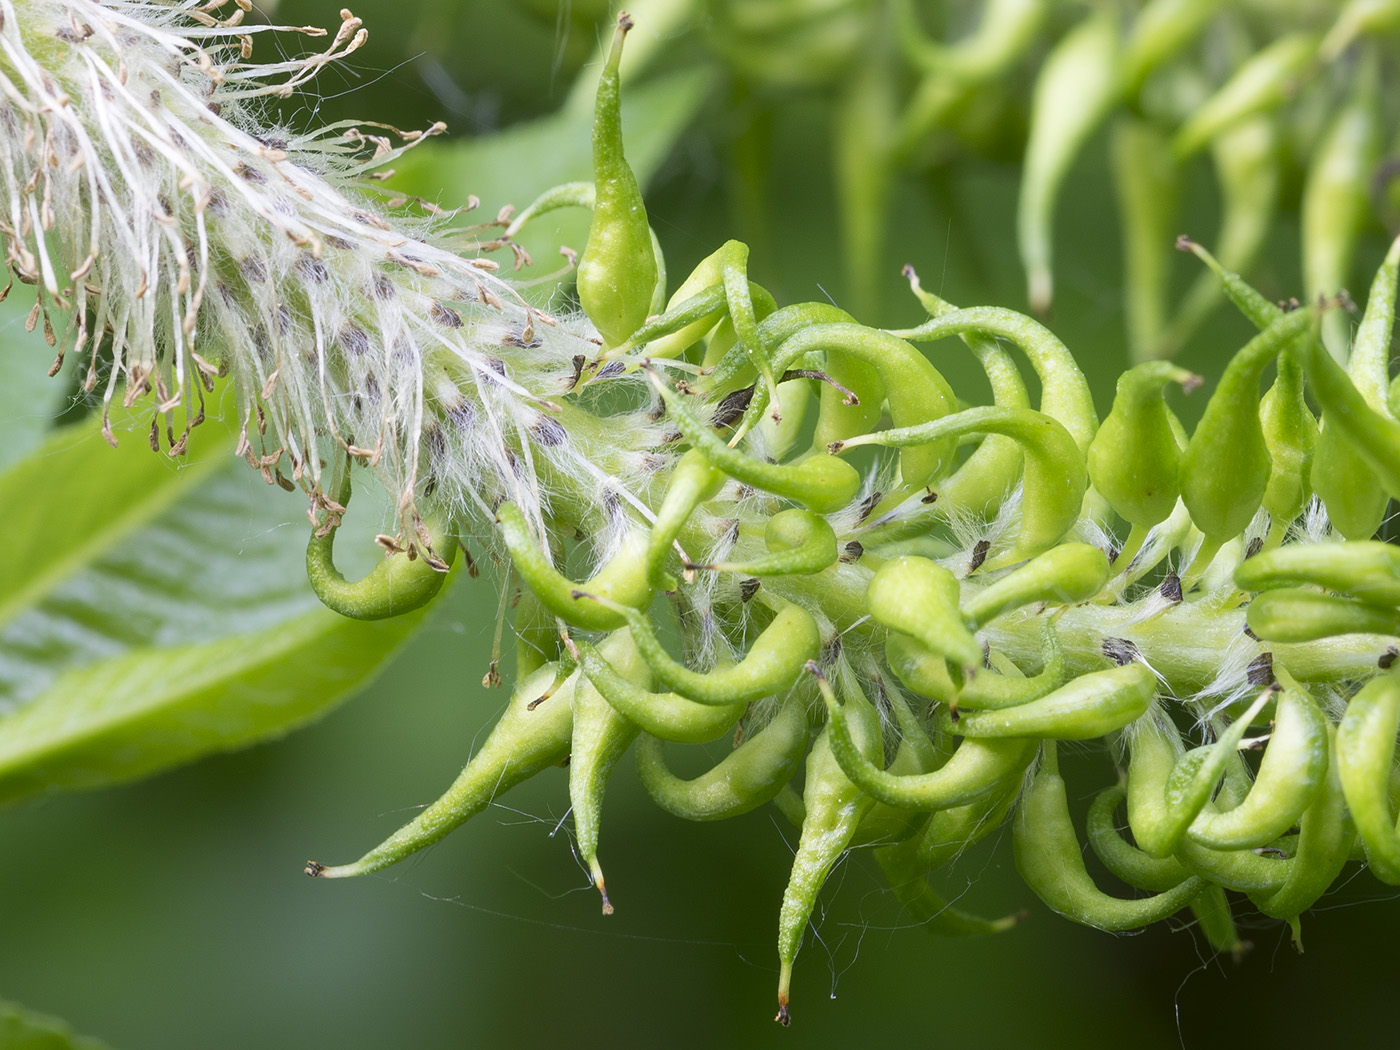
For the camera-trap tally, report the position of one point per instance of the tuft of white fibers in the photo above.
(141, 194)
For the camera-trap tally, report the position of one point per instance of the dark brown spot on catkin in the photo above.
(1260, 670)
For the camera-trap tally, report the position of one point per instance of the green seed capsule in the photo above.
(1259, 310)
(1241, 870)
(1371, 433)
(914, 389)
(1262, 83)
(1337, 198)
(1294, 615)
(1368, 570)
(698, 313)
(750, 775)
(986, 477)
(692, 482)
(1355, 504)
(1147, 179)
(666, 716)
(916, 754)
(531, 736)
(601, 736)
(617, 272)
(1077, 85)
(622, 581)
(537, 640)
(1225, 469)
(1365, 758)
(1290, 776)
(772, 664)
(951, 831)
(1160, 30)
(975, 769)
(1326, 835)
(1064, 392)
(1050, 862)
(774, 331)
(1166, 789)
(1054, 480)
(707, 277)
(1290, 435)
(1125, 861)
(1088, 707)
(1134, 460)
(799, 542)
(395, 586)
(1356, 18)
(922, 903)
(1212, 911)
(833, 808)
(821, 483)
(920, 598)
(926, 673)
(1246, 159)
(1067, 574)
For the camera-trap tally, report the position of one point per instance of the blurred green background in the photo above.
(174, 913)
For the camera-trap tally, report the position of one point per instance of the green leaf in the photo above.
(152, 612)
(22, 1030)
(515, 165)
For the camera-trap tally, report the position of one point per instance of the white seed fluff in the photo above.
(141, 194)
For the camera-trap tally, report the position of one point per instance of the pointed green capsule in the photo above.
(601, 736)
(1336, 201)
(395, 586)
(909, 383)
(1077, 85)
(622, 581)
(1290, 776)
(1326, 833)
(1371, 433)
(532, 735)
(1147, 180)
(952, 830)
(821, 483)
(1226, 467)
(984, 480)
(1064, 575)
(920, 598)
(1290, 435)
(976, 768)
(1167, 789)
(1051, 863)
(833, 808)
(1124, 860)
(617, 272)
(1262, 83)
(926, 673)
(772, 664)
(903, 871)
(1053, 482)
(1355, 504)
(1292, 614)
(750, 775)
(1365, 569)
(1365, 760)
(799, 543)
(667, 716)
(1064, 392)
(1085, 708)
(1134, 460)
